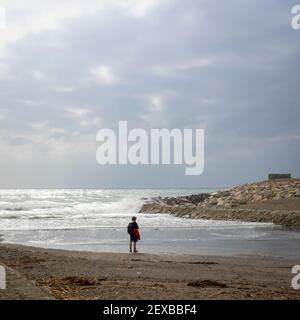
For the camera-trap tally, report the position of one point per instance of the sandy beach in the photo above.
(34, 273)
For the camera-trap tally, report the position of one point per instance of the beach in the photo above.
(73, 244)
(36, 273)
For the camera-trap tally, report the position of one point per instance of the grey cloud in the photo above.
(229, 67)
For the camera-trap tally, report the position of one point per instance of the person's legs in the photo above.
(130, 246)
(134, 246)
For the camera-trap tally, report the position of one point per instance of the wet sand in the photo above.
(35, 273)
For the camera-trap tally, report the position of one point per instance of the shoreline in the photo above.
(275, 201)
(285, 218)
(61, 274)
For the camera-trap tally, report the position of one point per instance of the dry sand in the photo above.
(35, 273)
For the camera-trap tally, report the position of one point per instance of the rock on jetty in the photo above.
(276, 201)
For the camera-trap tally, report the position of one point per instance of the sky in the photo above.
(70, 68)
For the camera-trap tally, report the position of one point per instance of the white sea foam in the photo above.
(57, 209)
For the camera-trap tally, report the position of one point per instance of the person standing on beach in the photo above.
(133, 230)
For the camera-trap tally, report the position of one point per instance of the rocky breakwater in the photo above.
(275, 201)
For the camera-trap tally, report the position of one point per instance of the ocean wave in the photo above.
(69, 209)
(30, 205)
(15, 209)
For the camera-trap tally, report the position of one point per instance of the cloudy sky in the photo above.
(70, 68)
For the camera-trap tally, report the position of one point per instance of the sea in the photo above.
(96, 220)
